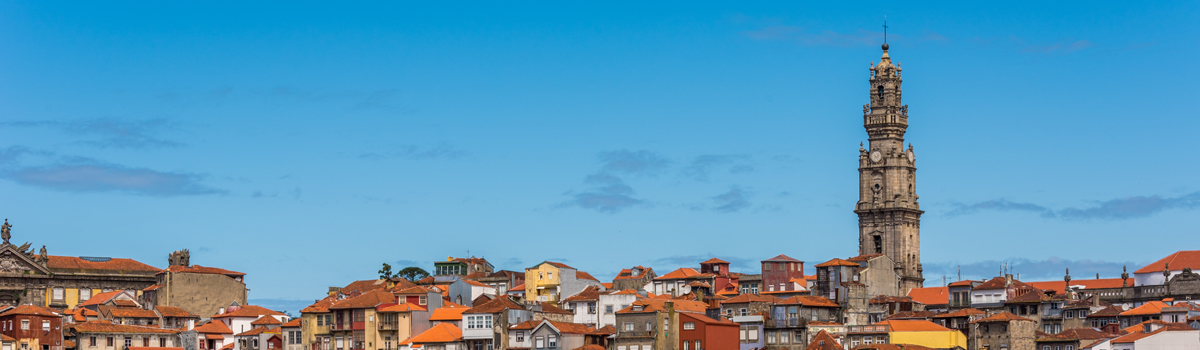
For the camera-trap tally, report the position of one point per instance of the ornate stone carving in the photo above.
(5, 231)
(179, 258)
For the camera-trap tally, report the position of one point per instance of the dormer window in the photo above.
(637, 308)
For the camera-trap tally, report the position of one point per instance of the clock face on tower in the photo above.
(876, 156)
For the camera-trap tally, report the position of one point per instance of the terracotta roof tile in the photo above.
(525, 325)
(152, 288)
(441, 333)
(823, 341)
(213, 327)
(1002, 317)
(1177, 261)
(783, 258)
(201, 269)
(405, 307)
(590, 347)
(1097, 283)
(295, 322)
(102, 298)
(31, 310)
(115, 264)
(707, 320)
(1078, 334)
(585, 276)
(320, 306)
(962, 283)
(837, 262)
(659, 305)
(606, 330)
(250, 311)
(911, 315)
(228, 346)
(588, 294)
(364, 286)
(447, 314)
(551, 309)
(131, 312)
(171, 311)
(685, 272)
(495, 306)
(570, 328)
(968, 312)
(557, 264)
(368, 300)
(154, 348)
(1110, 311)
(1150, 308)
(628, 273)
(864, 258)
(751, 298)
(259, 330)
(931, 295)
(266, 320)
(109, 327)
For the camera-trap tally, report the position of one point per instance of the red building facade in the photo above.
(778, 272)
(698, 332)
(33, 327)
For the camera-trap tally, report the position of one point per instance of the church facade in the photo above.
(889, 215)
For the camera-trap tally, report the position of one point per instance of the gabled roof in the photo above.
(213, 327)
(404, 307)
(968, 312)
(556, 264)
(525, 325)
(551, 309)
(782, 258)
(823, 341)
(31, 310)
(475, 283)
(931, 295)
(266, 320)
(628, 273)
(201, 269)
(129, 312)
(912, 315)
(751, 298)
(567, 328)
(447, 314)
(441, 333)
(1109, 311)
(320, 306)
(963, 283)
(102, 298)
(109, 327)
(809, 300)
(585, 276)
(364, 286)
(1150, 308)
(495, 306)
(912, 326)
(1077, 334)
(685, 272)
(415, 290)
(714, 261)
(1177, 261)
(368, 300)
(1002, 317)
(295, 322)
(837, 262)
(171, 311)
(588, 294)
(606, 330)
(113, 264)
(250, 311)
(659, 305)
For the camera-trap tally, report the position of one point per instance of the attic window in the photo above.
(637, 308)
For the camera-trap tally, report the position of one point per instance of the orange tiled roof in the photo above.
(152, 288)
(1059, 287)
(1097, 283)
(1109, 311)
(259, 330)
(714, 261)
(414, 290)
(912, 326)
(405, 307)
(366, 300)
(628, 273)
(1177, 261)
(607, 285)
(320, 306)
(837, 262)
(447, 314)
(131, 312)
(823, 341)
(1002, 317)
(590, 347)
(570, 328)
(441, 333)
(295, 322)
(930, 295)
(31, 310)
(961, 313)
(364, 286)
(115, 264)
(751, 298)
(525, 325)
(475, 283)
(109, 327)
(102, 298)
(125, 302)
(606, 330)
(1150, 308)
(453, 305)
(519, 287)
(549, 308)
(266, 320)
(962, 283)
(810, 300)
(213, 327)
(685, 272)
(250, 311)
(1077, 334)
(707, 320)
(864, 258)
(154, 348)
(494, 306)
(201, 269)
(911, 315)
(557, 264)
(171, 311)
(588, 294)
(584, 276)
(228, 346)
(659, 305)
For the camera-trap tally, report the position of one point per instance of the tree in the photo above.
(385, 272)
(412, 273)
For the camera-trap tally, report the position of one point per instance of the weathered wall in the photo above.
(202, 294)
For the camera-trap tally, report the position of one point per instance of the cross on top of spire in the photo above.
(885, 45)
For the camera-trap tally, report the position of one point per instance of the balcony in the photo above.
(389, 326)
(867, 329)
(339, 327)
(787, 323)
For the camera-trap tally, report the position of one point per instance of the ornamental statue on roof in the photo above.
(4, 231)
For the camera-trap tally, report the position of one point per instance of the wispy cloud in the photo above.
(701, 166)
(1115, 209)
(608, 194)
(1031, 270)
(102, 177)
(112, 132)
(734, 200)
(418, 152)
(628, 162)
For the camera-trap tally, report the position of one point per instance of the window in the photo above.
(649, 326)
(1083, 313)
(1070, 314)
(743, 312)
(629, 326)
(45, 326)
(145, 342)
(783, 337)
(685, 345)
(552, 340)
(687, 326)
(771, 337)
(753, 334)
(92, 341)
(57, 293)
(608, 309)
(591, 308)
(878, 239)
(162, 342)
(521, 336)
(698, 345)
(1070, 347)
(320, 321)
(24, 325)
(128, 342)
(110, 342)
(424, 300)
(771, 288)
(539, 343)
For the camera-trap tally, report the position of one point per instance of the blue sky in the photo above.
(306, 143)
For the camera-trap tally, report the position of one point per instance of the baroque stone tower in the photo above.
(889, 217)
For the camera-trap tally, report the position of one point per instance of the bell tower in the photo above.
(889, 217)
